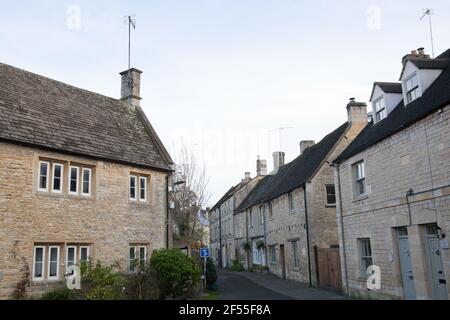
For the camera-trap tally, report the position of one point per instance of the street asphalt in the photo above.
(254, 286)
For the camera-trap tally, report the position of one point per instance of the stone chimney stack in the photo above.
(357, 111)
(261, 167)
(278, 160)
(131, 87)
(419, 53)
(305, 144)
(247, 176)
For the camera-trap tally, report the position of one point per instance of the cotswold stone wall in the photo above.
(416, 158)
(107, 221)
(285, 226)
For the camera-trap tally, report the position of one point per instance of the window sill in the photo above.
(360, 198)
(291, 212)
(296, 269)
(330, 206)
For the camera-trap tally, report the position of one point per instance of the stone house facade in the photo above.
(393, 188)
(290, 223)
(226, 234)
(82, 176)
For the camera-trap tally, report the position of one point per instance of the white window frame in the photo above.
(82, 181)
(134, 260)
(61, 177)
(381, 102)
(416, 89)
(362, 257)
(41, 278)
(140, 189)
(357, 178)
(261, 214)
(145, 254)
(74, 255)
(47, 177)
(291, 202)
(70, 180)
(273, 254)
(326, 194)
(295, 254)
(87, 253)
(57, 263)
(135, 188)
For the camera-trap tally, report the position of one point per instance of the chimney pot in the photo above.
(305, 144)
(261, 167)
(357, 111)
(278, 160)
(131, 87)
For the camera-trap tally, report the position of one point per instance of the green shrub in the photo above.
(236, 266)
(101, 282)
(62, 293)
(211, 272)
(177, 274)
(142, 285)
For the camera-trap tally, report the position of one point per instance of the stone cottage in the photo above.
(226, 231)
(288, 225)
(393, 188)
(82, 176)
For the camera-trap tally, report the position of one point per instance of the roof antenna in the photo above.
(131, 20)
(429, 13)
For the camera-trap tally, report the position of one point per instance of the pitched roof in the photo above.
(46, 113)
(303, 168)
(387, 87)
(294, 174)
(440, 62)
(225, 197)
(257, 194)
(436, 97)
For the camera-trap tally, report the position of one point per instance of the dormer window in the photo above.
(412, 88)
(380, 109)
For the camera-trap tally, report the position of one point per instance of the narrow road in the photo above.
(253, 286)
(233, 286)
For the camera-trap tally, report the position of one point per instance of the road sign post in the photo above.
(204, 253)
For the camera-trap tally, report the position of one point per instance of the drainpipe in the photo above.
(307, 237)
(265, 234)
(341, 221)
(220, 237)
(409, 193)
(168, 220)
(248, 240)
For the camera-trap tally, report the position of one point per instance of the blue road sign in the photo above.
(204, 253)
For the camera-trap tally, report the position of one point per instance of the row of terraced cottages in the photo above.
(373, 192)
(82, 176)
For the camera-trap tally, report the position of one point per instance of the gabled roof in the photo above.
(436, 97)
(225, 197)
(301, 170)
(45, 113)
(440, 62)
(257, 194)
(387, 87)
(294, 174)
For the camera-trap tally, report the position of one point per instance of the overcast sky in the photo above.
(223, 75)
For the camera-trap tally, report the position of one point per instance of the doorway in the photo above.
(409, 290)
(283, 261)
(438, 281)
